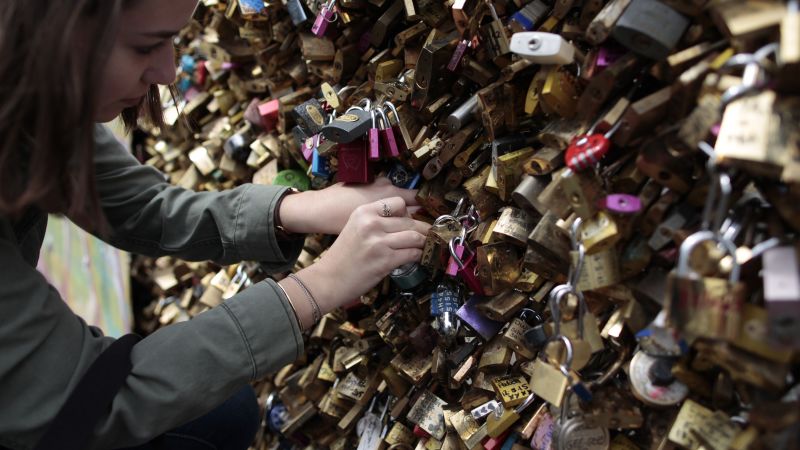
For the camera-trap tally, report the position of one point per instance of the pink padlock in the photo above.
(465, 268)
(308, 147)
(621, 204)
(324, 17)
(458, 54)
(401, 147)
(374, 138)
(387, 135)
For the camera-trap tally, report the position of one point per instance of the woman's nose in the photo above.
(162, 68)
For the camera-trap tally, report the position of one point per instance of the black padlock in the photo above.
(310, 116)
(348, 127)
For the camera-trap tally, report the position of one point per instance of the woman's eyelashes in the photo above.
(149, 49)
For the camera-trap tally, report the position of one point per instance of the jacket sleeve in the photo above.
(151, 217)
(179, 373)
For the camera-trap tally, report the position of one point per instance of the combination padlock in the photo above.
(587, 150)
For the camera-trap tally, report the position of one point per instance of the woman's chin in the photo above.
(107, 115)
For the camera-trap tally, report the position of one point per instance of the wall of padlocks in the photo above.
(615, 193)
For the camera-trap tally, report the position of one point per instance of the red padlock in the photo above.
(588, 149)
(269, 112)
(353, 162)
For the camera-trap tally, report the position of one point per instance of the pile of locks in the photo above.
(615, 193)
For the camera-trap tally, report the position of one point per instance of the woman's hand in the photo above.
(328, 210)
(378, 238)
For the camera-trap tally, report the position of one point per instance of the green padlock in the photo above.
(293, 178)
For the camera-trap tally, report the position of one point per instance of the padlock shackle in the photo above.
(683, 269)
(556, 295)
(575, 232)
(718, 197)
(524, 405)
(390, 105)
(608, 134)
(567, 365)
(756, 66)
(345, 89)
(452, 246)
(384, 119)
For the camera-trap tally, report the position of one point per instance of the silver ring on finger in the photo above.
(386, 211)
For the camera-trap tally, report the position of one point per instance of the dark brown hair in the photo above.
(48, 104)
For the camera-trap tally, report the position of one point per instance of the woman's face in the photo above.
(142, 55)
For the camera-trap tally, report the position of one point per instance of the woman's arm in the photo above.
(179, 372)
(149, 216)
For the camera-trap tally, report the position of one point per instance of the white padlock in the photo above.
(543, 48)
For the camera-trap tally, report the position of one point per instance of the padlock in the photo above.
(296, 11)
(560, 92)
(704, 306)
(408, 276)
(586, 150)
(497, 267)
(310, 116)
(552, 383)
(370, 428)
(353, 164)
(526, 194)
(503, 418)
(463, 115)
(782, 294)
(445, 302)
(469, 315)
(387, 136)
(398, 129)
(373, 137)
(348, 127)
(649, 28)
(581, 347)
(324, 18)
(527, 18)
(320, 166)
(543, 48)
(573, 431)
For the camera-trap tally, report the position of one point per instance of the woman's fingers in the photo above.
(405, 256)
(410, 196)
(405, 239)
(390, 207)
(395, 224)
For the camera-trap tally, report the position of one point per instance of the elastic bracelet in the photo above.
(291, 305)
(315, 307)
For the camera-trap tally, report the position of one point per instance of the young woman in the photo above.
(68, 64)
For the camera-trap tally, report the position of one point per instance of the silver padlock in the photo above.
(544, 48)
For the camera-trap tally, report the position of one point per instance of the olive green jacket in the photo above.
(179, 372)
